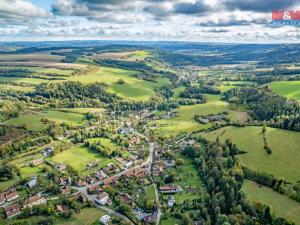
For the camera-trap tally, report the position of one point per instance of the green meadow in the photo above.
(280, 204)
(133, 88)
(32, 120)
(284, 160)
(70, 157)
(16, 88)
(289, 89)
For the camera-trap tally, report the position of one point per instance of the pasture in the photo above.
(16, 88)
(289, 89)
(284, 160)
(280, 204)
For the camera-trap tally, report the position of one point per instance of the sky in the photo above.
(234, 21)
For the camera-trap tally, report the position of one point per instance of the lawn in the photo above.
(185, 122)
(284, 160)
(78, 157)
(289, 89)
(280, 204)
(150, 193)
(32, 120)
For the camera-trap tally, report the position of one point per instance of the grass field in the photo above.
(284, 160)
(228, 85)
(289, 89)
(78, 157)
(185, 121)
(39, 69)
(16, 88)
(133, 88)
(280, 204)
(32, 120)
(105, 142)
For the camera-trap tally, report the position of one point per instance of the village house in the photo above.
(60, 167)
(100, 175)
(59, 208)
(171, 202)
(169, 163)
(126, 198)
(48, 151)
(170, 189)
(94, 189)
(32, 183)
(65, 190)
(37, 162)
(81, 183)
(12, 210)
(79, 197)
(110, 169)
(8, 196)
(102, 198)
(139, 173)
(110, 180)
(34, 200)
(105, 219)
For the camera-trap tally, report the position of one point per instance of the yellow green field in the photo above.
(284, 160)
(289, 89)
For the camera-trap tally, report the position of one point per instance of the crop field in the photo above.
(78, 157)
(133, 88)
(280, 204)
(32, 120)
(137, 55)
(284, 160)
(289, 89)
(30, 57)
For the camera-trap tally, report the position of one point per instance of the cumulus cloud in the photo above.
(16, 11)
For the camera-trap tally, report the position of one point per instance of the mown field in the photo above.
(280, 204)
(284, 160)
(185, 122)
(289, 89)
(32, 120)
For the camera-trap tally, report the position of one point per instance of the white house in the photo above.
(102, 199)
(32, 183)
(105, 219)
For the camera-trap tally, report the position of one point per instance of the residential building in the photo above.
(34, 200)
(102, 199)
(37, 162)
(8, 196)
(12, 210)
(105, 219)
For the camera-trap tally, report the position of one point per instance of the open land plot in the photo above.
(57, 65)
(185, 122)
(78, 157)
(133, 88)
(30, 57)
(188, 178)
(137, 55)
(289, 89)
(284, 160)
(280, 204)
(106, 142)
(32, 120)
(228, 85)
(83, 110)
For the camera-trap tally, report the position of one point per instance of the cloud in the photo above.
(260, 5)
(18, 11)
